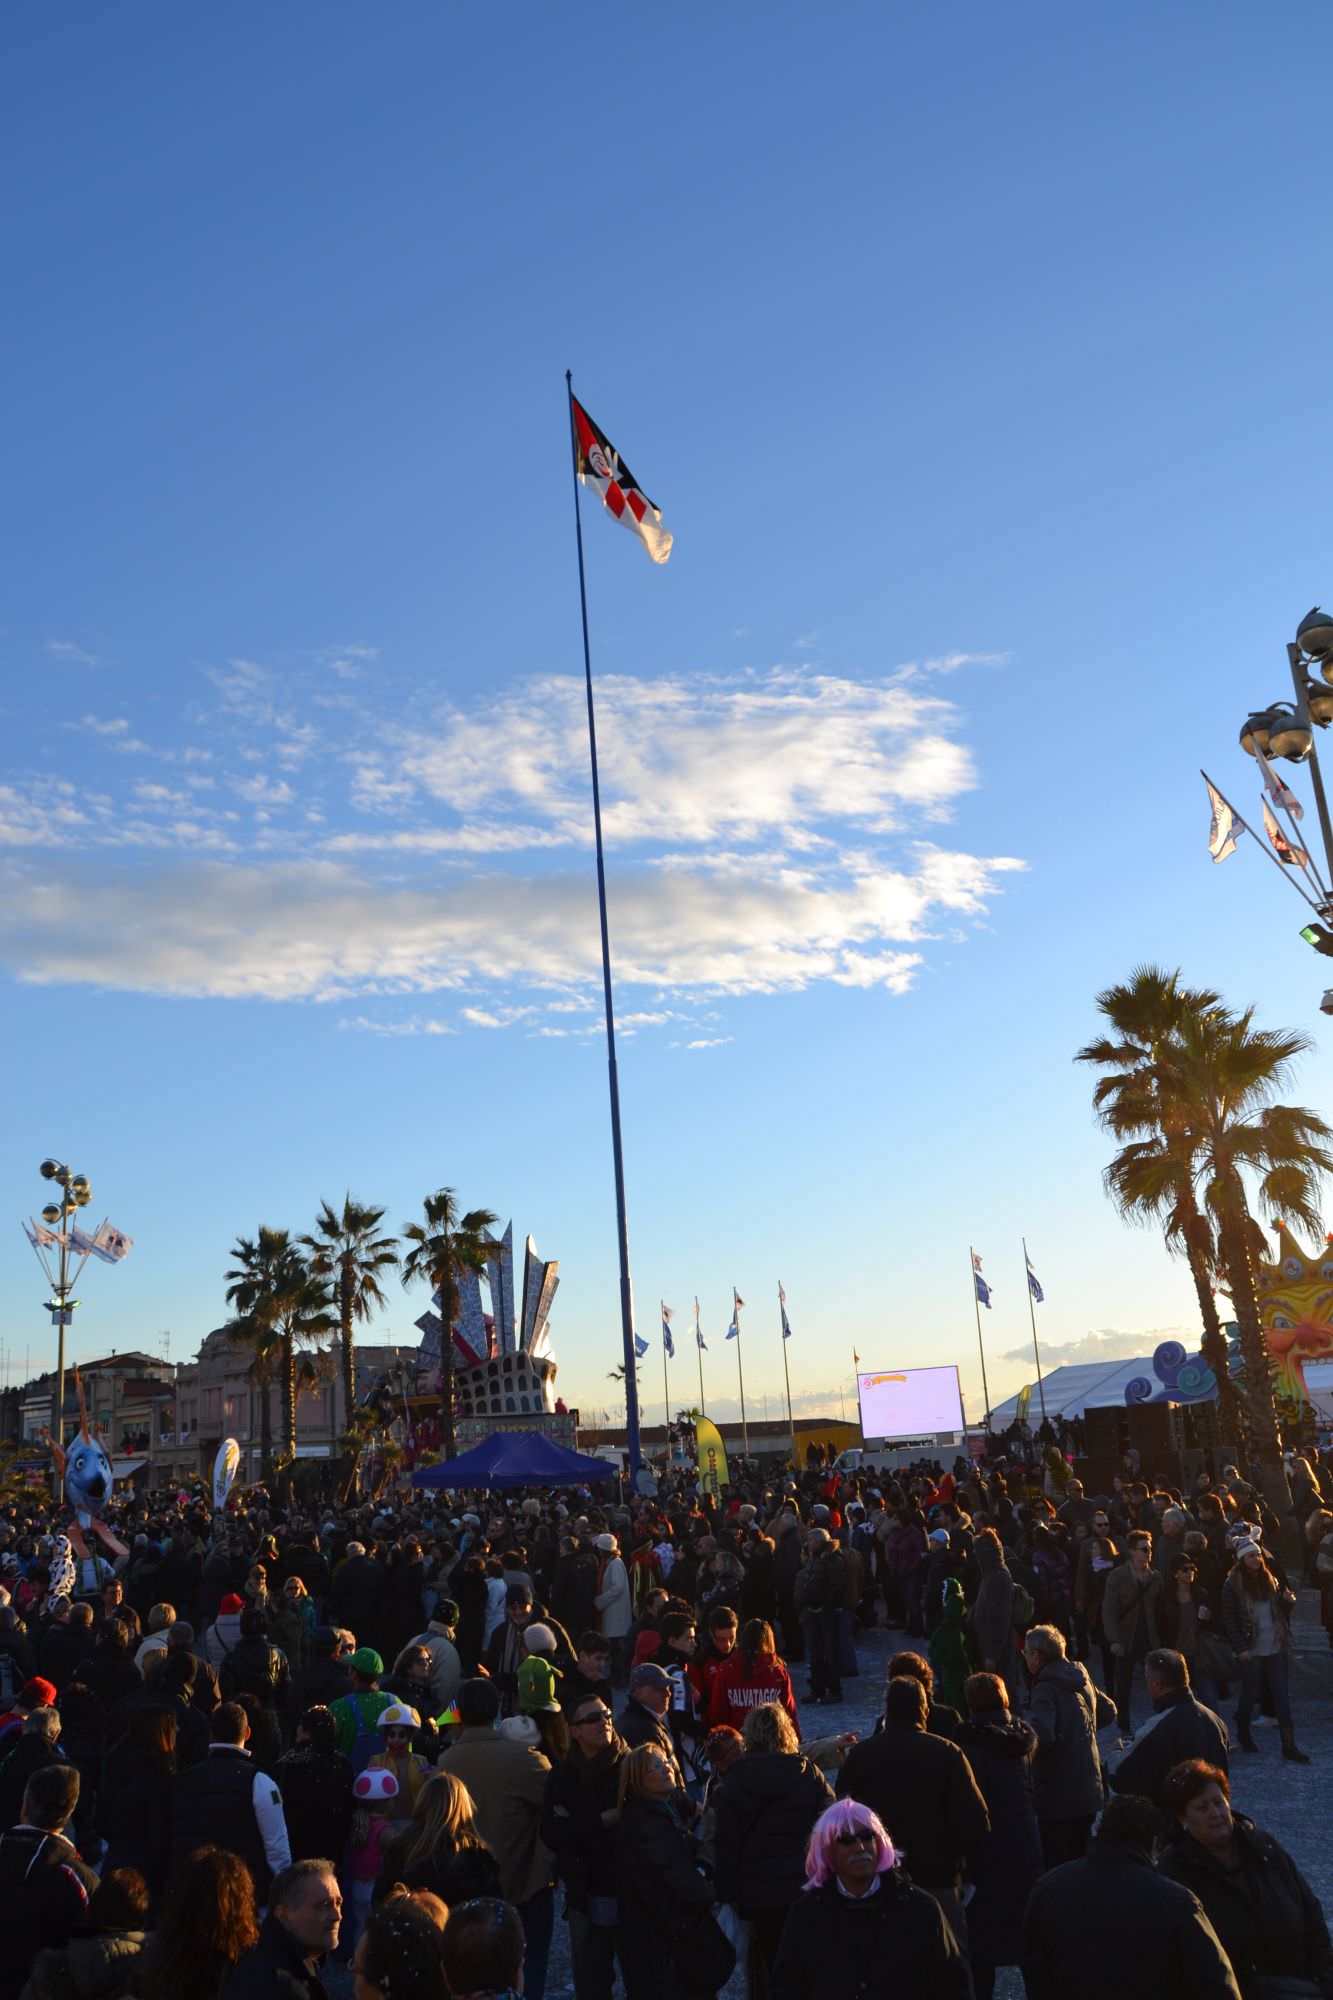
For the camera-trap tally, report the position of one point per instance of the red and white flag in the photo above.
(1286, 850)
(599, 464)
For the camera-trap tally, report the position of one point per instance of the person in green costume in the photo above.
(953, 1650)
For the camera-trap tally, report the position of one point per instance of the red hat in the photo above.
(38, 1693)
(232, 1603)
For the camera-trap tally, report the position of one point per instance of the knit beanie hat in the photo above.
(539, 1638)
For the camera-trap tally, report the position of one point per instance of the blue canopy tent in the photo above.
(516, 1458)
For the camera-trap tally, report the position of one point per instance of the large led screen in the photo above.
(909, 1402)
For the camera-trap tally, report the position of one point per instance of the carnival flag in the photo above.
(668, 1344)
(640, 1347)
(733, 1331)
(1285, 850)
(782, 1308)
(1037, 1293)
(1281, 795)
(600, 465)
(81, 1243)
(43, 1238)
(983, 1289)
(1225, 826)
(111, 1244)
(698, 1330)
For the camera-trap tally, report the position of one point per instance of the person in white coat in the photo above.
(613, 1602)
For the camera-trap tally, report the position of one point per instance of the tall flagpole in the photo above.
(786, 1335)
(981, 1345)
(622, 1228)
(666, 1386)
(740, 1372)
(1032, 1315)
(699, 1351)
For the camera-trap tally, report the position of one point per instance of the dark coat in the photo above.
(87, 1968)
(27, 1754)
(1066, 1711)
(882, 1947)
(134, 1815)
(255, 1667)
(317, 1686)
(275, 1969)
(455, 1875)
(316, 1787)
(44, 1892)
(1179, 1727)
(1267, 1916)
(923, 1789)
(768, 1802)
(1001, 1751)
(1106, 1928)
(356, 1596)
(638, 1725)
(661, 1894)
(578, 1791)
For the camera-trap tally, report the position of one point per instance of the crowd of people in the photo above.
(409, 1738)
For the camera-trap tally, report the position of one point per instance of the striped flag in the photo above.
(983, 1289)
(668, 1344)
(734, 1330)
(600, 465)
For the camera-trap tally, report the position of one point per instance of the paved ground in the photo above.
(1289, 1800)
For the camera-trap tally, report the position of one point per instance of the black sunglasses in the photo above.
(593, 1715)
(861, 1836)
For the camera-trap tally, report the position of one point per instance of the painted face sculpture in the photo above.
(88, 1476)
(61, 1572)
(1296, 1306)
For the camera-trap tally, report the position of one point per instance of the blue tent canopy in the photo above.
(516, 1458)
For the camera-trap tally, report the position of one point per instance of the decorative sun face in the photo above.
(1295, 1296)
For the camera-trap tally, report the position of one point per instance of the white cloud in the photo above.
(709, 1042)
(1106, 1343)
(416, 1025)
(264, 791)
(65, 649)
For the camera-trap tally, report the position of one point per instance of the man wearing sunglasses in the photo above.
(579, 1821)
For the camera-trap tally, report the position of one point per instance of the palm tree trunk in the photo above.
(443, 1285)
(348, 1362)
(1230, 1402)
(1261, 1407)
(288, 1397)
(266, 1431)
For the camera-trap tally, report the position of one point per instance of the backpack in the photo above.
(1024, 1611)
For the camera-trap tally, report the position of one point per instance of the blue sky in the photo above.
(980, 369)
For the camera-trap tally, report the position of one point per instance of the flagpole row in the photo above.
(1280, 795)
(981, 1345)
(1032, 1315)
(622, 1228)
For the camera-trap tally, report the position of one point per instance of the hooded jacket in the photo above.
(1066, 1711)
(1002, 1750)
(767, 1804)
(953, 1651)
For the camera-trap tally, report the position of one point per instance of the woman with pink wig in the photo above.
(862, 1930)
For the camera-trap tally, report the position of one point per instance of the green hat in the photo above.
(536, 1686)
(365, 1660)
(955, 1603)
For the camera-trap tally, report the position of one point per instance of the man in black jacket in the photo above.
(1109, 1927)
(44, 1886)
(1178, 1728)
(579, 1822)
(325, 1680)
(301, 1928)
(923, 1790)
(227, 1801)
(643, 1719)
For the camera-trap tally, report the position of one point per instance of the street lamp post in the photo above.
(1286, 731)
(75, 1193)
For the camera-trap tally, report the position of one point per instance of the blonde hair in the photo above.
(444, 1817)
(769, 1727)
(634, 1772)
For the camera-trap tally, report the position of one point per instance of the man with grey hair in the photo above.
(36, 1747)
(1179, 1727)
(1065, 1711)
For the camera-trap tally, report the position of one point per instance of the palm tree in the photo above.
(279, 1301)
(348, 1251)
(1198, 1114)
(443, 1246)
(1224, 1079)
(1151, 1179)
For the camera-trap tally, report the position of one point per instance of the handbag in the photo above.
(704, 1955)
(1214, 1657)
